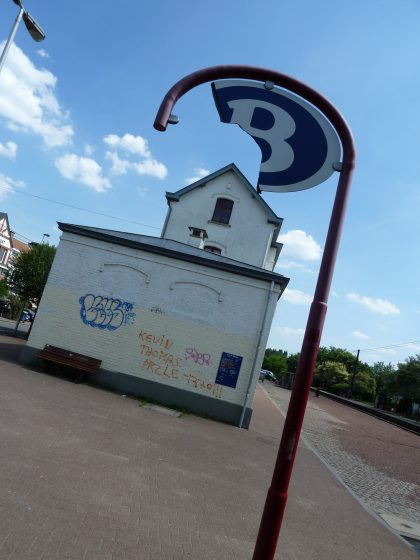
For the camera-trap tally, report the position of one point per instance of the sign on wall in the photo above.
(298, 144)
(228, 371)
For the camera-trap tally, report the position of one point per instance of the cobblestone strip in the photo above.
(379, 492)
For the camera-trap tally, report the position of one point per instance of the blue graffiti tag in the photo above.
(105, 313)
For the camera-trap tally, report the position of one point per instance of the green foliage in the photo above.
(328, 374)
(385, 378)
(339, 371)
(340, 389)
(364, 386)
(333, 354)
(4, 290)
(407, 381)
(16, 306)
(275, 361)
(29, 273)
(292, 362)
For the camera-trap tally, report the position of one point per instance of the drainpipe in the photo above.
(257, 351)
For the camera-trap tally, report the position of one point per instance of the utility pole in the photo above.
(353, 377)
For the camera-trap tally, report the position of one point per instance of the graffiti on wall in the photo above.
(199, 358)
(104, 312)
(216, 390)
(160, 359)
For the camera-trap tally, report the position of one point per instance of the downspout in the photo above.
(257, 351)
(168, 213)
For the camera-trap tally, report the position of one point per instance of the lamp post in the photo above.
(275, 504)
(32, 26)
(44, 235)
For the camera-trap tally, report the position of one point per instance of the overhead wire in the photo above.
(17, 190)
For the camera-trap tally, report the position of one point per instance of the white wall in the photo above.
(165, 320)
(245, 239)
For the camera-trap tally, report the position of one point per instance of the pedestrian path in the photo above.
(87, 474)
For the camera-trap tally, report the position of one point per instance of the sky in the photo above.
(77, 143)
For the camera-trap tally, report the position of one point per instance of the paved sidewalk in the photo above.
(88, 474)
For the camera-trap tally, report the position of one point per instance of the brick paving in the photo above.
(87, 474)
(376, 460)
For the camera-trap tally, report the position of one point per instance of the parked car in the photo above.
(267, 374)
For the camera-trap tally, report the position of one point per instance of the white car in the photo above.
(267, 374)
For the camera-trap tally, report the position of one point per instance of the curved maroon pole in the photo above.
(275, 504)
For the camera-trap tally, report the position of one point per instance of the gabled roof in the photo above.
(20, 245)
(176, 250)
(271, 216)
(3, 216)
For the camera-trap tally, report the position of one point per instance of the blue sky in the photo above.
(76, 115)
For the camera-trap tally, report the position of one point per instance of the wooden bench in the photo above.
(80, 362)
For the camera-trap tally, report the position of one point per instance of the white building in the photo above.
(5, 243)
(224, 214)
(171, 321)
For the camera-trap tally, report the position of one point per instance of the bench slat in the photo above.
(68, 358)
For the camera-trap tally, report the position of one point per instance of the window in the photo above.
(197, 232)
(3, 254)
(222, 211)
(213, 249)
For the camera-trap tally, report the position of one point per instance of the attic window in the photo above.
(197, 232)
(222, 211)
(213, 249)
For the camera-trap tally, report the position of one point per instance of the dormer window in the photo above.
(222, 211)
(197, 232)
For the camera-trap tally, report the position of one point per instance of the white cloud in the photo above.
(300, 245)
(292, 265)
(7, 185)
(8, 150)
(83, 170)
(360, 335)
(28, 101)
(88, 149)
(199, 173)
(151, 167)
(137, 146)
(288, 331)
(413, 346)
(119, 166)
(43, 53)
(376, 305)
(129, 143)
(297, 297)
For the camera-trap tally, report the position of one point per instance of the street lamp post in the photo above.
(275, 504)
(44, 235)
(32, 26)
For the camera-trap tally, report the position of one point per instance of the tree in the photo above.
(386, 390)
(29, 273)
(275, 361)
(330, 374)
(364, 386)
(4, 290)
(333, 354)
(407, 382)
(292, 362)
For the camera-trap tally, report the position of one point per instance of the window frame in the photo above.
(222, 212)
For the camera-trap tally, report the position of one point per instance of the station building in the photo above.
(182, 319)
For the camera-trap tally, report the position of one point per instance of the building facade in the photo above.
(10, 247)
(224, 214)
(171, 321)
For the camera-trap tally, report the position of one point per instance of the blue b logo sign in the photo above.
(298, 144)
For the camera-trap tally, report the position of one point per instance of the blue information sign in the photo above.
(299, 146)
(228, 371)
